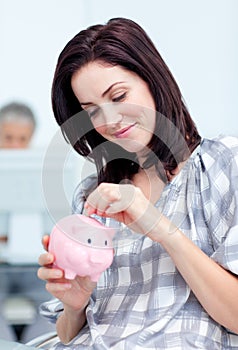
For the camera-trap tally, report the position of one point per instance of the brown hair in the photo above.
(123, 42)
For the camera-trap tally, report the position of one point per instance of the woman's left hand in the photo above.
(125, 203)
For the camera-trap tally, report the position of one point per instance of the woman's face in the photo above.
(118, 103)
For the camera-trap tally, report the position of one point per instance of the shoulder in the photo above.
(84, 188)
(216, 172)
(217, 181)
(221, 152)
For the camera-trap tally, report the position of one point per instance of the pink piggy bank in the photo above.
(81, 246)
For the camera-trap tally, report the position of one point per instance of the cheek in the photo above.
(102, 129)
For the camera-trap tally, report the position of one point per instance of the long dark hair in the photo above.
(123, 42)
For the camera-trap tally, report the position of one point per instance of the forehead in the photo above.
(95, 78)
(16, 127)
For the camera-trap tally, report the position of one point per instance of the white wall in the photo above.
(32, 34)
(198, 40)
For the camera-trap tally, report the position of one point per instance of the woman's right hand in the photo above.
(74, 293)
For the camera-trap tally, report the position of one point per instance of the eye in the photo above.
(9, 137)
(105, 243)
(92, 113)
(89, 241)
(119, 98)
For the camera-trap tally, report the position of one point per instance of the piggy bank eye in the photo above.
(106, 243)
(89, 241)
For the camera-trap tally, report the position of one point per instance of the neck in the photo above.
(149, 183)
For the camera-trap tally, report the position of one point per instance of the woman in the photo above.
(173, 283)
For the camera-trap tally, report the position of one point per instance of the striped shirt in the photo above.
(141, 301)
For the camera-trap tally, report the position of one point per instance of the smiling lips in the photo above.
(124, 132)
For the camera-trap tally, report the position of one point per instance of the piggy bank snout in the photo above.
(98, 256)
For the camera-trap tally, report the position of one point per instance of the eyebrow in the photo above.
(104, 93)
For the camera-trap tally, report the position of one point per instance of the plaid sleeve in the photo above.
(81, 193)
(51, 310)
(222, 186)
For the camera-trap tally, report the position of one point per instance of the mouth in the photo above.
(124, 132)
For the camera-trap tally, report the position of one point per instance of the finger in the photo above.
(114, 208)
(100, 199)
(46, 259)
(127, 198)
(45, 273)
(45, 241)
(54, 288)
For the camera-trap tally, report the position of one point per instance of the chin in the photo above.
(131, 145)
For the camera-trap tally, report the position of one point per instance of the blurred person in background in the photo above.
(17, 126)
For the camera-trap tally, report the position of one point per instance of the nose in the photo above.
(111, 114)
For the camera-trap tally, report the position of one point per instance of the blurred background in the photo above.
(198, 41)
